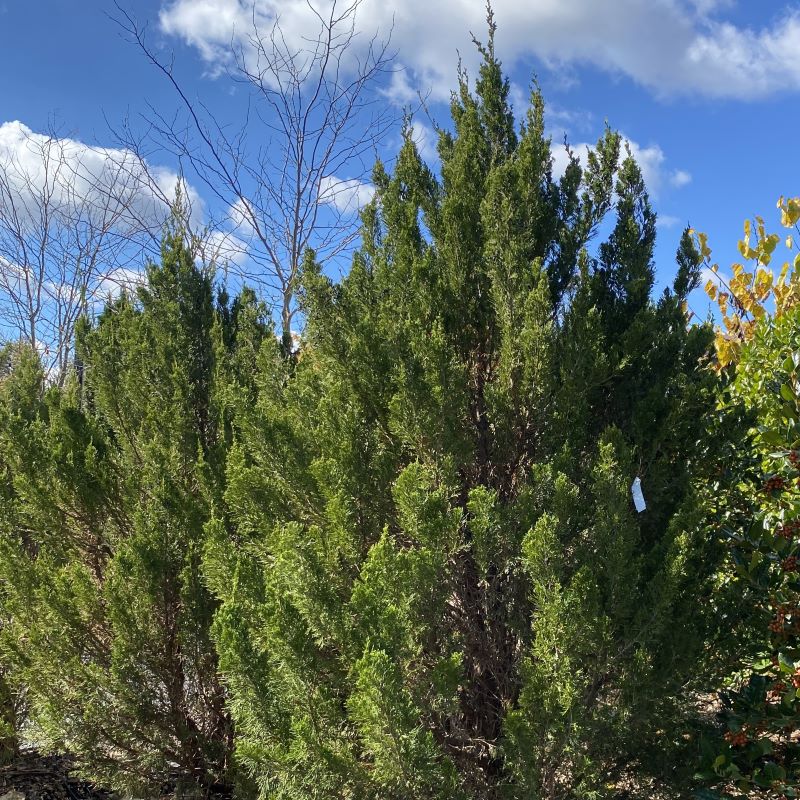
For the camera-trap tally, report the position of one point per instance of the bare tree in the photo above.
(316, 116)
(75, 224)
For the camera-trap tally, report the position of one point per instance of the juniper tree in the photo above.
(433, 581)
(11, 701)
(110, 484)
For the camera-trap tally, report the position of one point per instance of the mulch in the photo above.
(31, 776)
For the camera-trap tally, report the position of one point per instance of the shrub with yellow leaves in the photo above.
(749, 295)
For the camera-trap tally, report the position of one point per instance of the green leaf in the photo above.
(774, 772)
(765, 746)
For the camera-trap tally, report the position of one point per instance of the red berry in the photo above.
(738, 739)
(774, 484)
(789, 528)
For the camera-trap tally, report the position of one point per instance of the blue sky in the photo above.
(708, 91)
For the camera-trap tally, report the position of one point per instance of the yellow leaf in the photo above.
(790, 212)
(763, 282)
(711, 290)
(771, 242)
(747, 251)
(702, 241)
(726, 351)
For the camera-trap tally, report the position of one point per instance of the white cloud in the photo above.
(76, 224)
(561, 156)
(519, 99)
(209, 25)
(345, 195)
(75, 218)
(668, 221)
(98, 184)
(117, 280)
(400, 90)
(425, 138)
(680, 178)
(561, 121)
(754, 63)
(223, 248)
(719, 278)
(670, 46)
(242, 220)
(650, 160)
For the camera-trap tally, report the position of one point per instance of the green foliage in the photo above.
(108, 485)
(757, 508)
(432, 580)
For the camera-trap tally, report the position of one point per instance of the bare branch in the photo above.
(314, 111)
(75, 222)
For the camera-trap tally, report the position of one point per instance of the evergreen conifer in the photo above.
(108, 486)
(433, 581)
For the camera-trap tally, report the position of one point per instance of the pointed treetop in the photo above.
(493, 90)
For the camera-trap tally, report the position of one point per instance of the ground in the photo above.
(34, 777)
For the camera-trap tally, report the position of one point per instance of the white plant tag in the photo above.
(638, 497)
